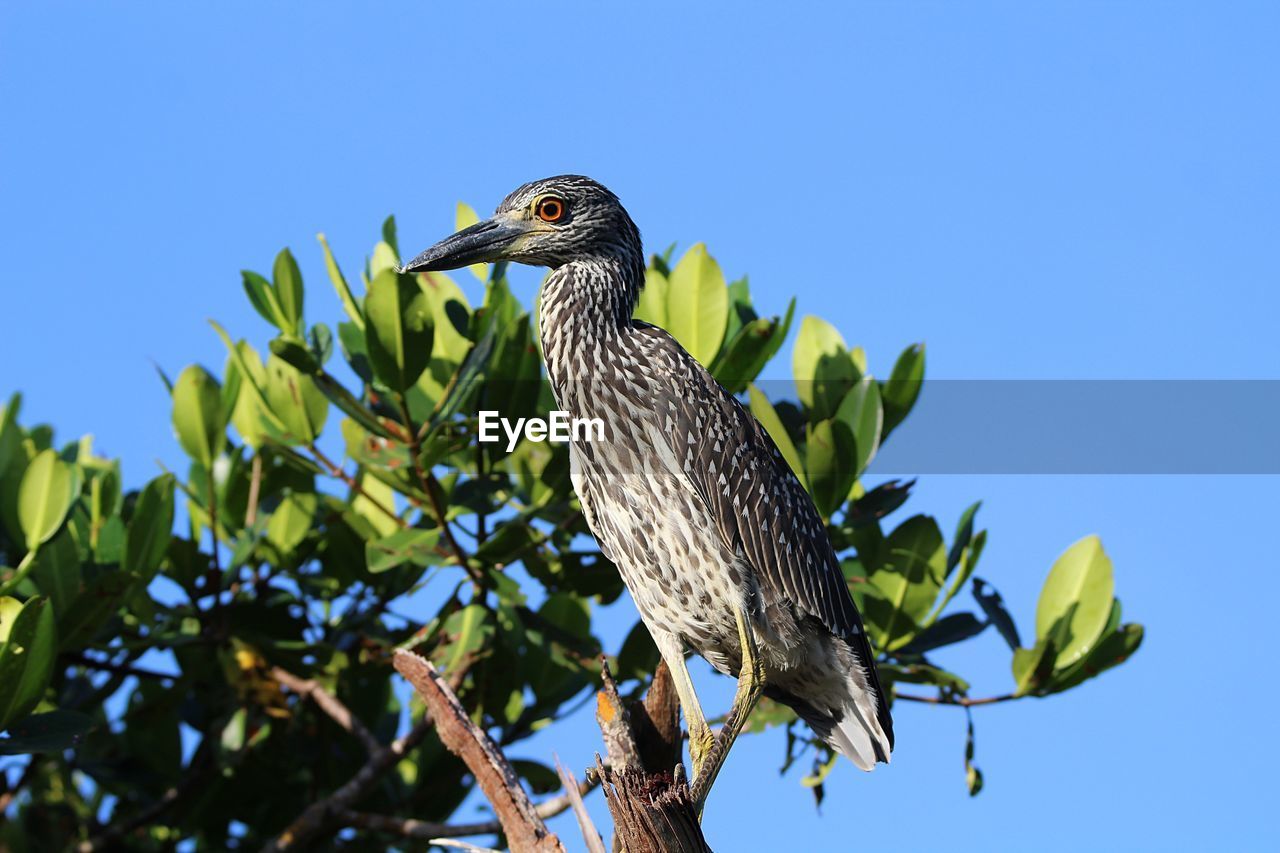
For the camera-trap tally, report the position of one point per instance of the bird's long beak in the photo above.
(483, 242)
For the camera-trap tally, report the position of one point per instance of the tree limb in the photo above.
(318, 816)
(426, 830)
(523, 826)
(961, 701)
(330, 704)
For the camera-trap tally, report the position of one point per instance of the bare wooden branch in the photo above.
(524, 828)
(652, 812)
(644, 784)
(426, 830)
(591, 835)
(615, 723)
(330, 704)
(319, 816)
(656, 724)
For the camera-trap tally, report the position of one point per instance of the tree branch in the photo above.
(962, 701)
(302, 832)
(337, 472)
(523, 826)
(426, 830)
(330, 704)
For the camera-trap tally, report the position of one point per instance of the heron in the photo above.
(716, 539)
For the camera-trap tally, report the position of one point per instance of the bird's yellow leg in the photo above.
(701, 738)
(751, 680)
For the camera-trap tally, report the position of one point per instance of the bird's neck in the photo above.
(585, 304)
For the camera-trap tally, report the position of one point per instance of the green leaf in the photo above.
(1076, 600)
(292, 521)
(147, 538)
(349, 303)
(768, 418)
(399, 331)
(44, 497)
(903, 388)
(824, 368)
(10, 434)
(698, 304)
(861, 410)
(57, 570)
(410, 545)
(467, 629)
(264, 300)
(652, 305)
(465, 217)
(296, 402)
(831, 465)
(1033, 668)
(296, 354)
(750, 349)
(992, 604)
(1113, 649)
(910, 577)
(198, 416)
(52, 731)
(947, 631)
(384, 258)
(288, 287)
(28, 646)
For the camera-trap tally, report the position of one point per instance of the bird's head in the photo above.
(548, 223)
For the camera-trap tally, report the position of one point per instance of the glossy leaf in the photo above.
(411, 545)
(861, 411)
(287, 281)
(51, 732)
(198, 414)
(698, 304)
(902, 389)
(348, 299)
(652, 305)
(399, 330)
(295, 401)
(1076, 600)
(292, 521)
(768, 418)
(44, 497)
(830, 464)
(147, 537)
(28, 646)
(464, 217)
(824, 368)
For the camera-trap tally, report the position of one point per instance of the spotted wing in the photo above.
(761, 508)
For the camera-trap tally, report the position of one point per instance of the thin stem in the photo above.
(961, 701)
(255, 485)
(20, 573)
(337, 472)
(330, 704)
(431, 486)
(123, 669)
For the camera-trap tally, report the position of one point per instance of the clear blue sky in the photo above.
(1037, 190)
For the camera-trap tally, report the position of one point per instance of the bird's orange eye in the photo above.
(550, 209)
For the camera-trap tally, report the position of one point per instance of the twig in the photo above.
(524, 828)
(595, 844)
(117, 668)
(431, 486)
(330, 704)
(255, 486)
(962, 701)
(426, 831)
(193, 779)
(353, 484)
(302, 831)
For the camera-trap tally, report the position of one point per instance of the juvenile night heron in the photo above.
(718, 542)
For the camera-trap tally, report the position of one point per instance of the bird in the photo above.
(716, 539)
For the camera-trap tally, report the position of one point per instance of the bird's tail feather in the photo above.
(861, 730)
